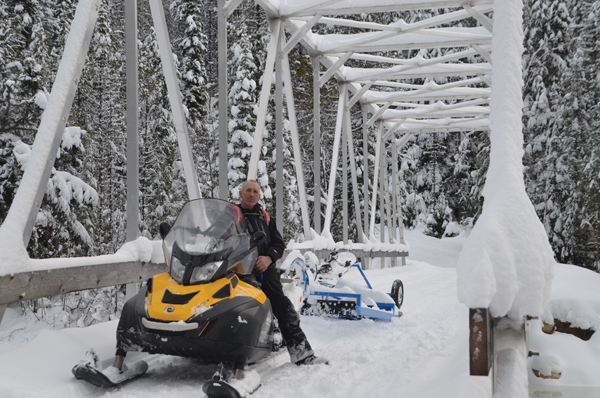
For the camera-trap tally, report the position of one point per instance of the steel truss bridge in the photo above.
(393, 107)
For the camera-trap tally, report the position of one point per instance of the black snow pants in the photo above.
(287, 317)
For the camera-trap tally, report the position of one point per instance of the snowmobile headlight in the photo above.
(177, 269)
(205, 272)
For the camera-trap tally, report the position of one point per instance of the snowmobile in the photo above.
(326, 293)
(207, 306)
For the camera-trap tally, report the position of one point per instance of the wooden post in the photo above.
(481, 350)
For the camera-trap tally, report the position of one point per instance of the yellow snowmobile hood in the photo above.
(171, 302)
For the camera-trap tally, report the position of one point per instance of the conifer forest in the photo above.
(442, 174)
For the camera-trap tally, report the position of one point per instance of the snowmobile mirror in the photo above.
(257, 238)
(164, 229)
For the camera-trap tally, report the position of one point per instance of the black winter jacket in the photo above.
(256, 220)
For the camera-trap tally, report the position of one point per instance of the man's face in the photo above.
(250, 194)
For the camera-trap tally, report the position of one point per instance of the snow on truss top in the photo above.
(140, 250)
(333, 7)
(506, 265)
(427, 38)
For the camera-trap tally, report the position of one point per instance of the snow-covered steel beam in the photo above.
(360, 75)
(424, 27)
(396, 223)
(279, 135)
(375, 180)
(334, 68)
(397, 199)
(378, 113)
(403, 141)
(223, 100)
(358, 95)
(294, 7)
(264, 100)
(427, 114)
(312, 8)
(353, 173)
(430, 38)
(387, 201)
(431, 97)
(297, 36)
(364, 40)
(393, 129)
(316, 144)
(175, 100)
(402, 26)
(345, 126)
(418, 60)
(382, 185)
(442, 129)
(476, 122)
(365, 130)
(486, 79)
(484, 54)
(480, 17)
(289, 98)
(461, 93)
(24, 209)
(310, 43)
(230, 7)
(270, 7)
(132, 125)
(334, 161)
(439, 105)
(433, 86)
(132, 128)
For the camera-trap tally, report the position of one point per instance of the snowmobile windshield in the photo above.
(208, 240)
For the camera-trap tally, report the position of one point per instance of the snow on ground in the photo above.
(575, 300)
(423, 354)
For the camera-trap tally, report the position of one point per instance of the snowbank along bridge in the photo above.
(394, 109)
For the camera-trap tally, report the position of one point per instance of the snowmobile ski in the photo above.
(91, 371)
(219, 387)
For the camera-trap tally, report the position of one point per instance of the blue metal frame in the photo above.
(384, 311)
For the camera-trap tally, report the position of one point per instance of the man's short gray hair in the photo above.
(244, 183)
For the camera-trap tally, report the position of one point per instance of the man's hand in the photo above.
(262, 263)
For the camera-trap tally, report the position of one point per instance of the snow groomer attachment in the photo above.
(327, 293)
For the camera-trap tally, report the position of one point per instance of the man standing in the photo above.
(267, 274)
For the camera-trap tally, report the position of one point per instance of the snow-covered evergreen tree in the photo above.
(24, 56)
(61, 228)
(551, 146)
(579, 233)
(161, 176)
(191, 47)
(99, 107)
(243, 101)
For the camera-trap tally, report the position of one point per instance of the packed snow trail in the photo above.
(389, 358)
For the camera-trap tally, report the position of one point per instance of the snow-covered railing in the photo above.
(36, 284)
(31, 278)
(365, 251)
